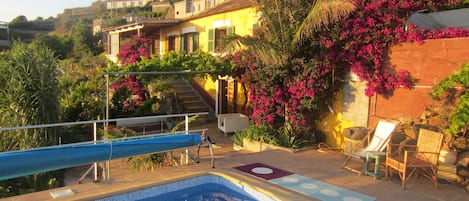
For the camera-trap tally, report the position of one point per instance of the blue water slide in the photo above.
(26, 162)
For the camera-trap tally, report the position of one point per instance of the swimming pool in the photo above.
(205, 187)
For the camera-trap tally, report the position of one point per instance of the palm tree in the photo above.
(286, 25)
(287, 44)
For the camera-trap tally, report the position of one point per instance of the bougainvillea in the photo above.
(134, 49)
(357, 44)
(137, 93)
(362, 40)
(132, 52)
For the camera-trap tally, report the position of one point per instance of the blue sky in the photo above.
(9, 9)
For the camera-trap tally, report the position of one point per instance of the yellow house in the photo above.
(201, 24)
(196, 24)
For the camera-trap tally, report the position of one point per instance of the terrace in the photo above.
(325, 167)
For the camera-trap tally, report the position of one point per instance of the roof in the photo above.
(146, 23)
(224, 7)
(458, 18)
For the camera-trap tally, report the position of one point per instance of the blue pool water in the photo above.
(202, 192)
(206, 187)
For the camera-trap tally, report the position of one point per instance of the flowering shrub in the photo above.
(132, 89)
(134, 49)
(357, 44)
(362, 40)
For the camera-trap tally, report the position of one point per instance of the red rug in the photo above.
(263, 171)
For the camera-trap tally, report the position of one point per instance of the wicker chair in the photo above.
(421, 158)
(378, 143)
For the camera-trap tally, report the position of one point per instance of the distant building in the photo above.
(114, 4)
(82, 11)
(98, 25)
(189, 8)
(4, 36)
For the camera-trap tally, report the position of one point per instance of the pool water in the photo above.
(204, 192)
(206, 187)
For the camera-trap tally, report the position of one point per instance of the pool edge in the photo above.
(269, 189)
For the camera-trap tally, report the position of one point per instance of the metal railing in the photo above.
(105, 122)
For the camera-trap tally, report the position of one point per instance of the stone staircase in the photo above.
(188, 98)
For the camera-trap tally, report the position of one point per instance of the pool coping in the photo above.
(269, 189)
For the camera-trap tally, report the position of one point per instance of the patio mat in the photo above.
(314, 188)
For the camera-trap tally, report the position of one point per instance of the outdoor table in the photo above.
(377, 156)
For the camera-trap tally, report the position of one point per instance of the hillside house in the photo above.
(116, 4)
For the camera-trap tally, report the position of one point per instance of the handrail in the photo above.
(95, 141)
(101, 121)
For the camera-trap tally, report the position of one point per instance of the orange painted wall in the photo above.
(430, 63)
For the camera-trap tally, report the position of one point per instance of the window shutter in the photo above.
(195, 40)
(183, 37)
(255, 29)
(211, 40)
(230, 31)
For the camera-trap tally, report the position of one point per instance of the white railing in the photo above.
(105, 122)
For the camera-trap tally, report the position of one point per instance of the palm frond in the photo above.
(323, 13)
(266, 51)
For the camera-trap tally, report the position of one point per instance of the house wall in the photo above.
(429, 63)
(242, 26)
(198, 6)
(333, 123)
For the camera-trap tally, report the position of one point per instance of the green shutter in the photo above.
(211, 40)
(183, 37)
(230, 31)
(195, 40)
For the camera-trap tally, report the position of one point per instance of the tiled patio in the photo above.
(310, 163)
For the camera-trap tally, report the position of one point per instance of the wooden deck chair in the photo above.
(378, 142)
(422, 159)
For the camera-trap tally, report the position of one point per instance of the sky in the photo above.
(10, 9)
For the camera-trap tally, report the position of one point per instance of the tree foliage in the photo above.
(459, 119)
(29, 91)
(288, 78)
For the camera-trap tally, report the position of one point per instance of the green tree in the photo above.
(29, 90)
(61, 45)
(84, 42)
(19, 22)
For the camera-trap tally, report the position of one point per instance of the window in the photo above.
(216, 37)
(171, 43)
(114, 48)
(189, 6)
(220, 34)
(190, 42)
